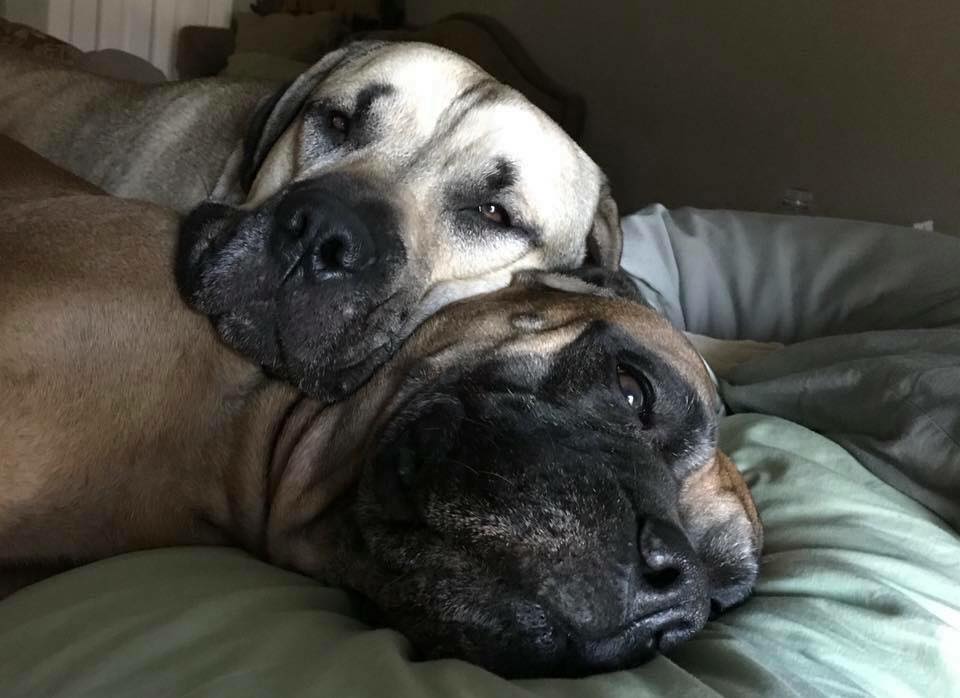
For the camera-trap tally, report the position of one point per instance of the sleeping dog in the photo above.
(531, 483)
(386, 181)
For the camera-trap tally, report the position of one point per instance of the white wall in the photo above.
(724, 104)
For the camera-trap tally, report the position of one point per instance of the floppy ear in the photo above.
(275, 113)
(255, 144)
(589, 281)
(605, 241)
(618, 282)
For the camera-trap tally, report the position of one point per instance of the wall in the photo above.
(725, 104)
(147, 28)
(30, 12)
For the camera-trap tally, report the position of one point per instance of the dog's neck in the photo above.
(295, 459)
(291, 500)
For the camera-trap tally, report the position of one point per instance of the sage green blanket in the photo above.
(860, 595)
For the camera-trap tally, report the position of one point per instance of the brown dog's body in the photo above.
(125, 422)
(493, 459)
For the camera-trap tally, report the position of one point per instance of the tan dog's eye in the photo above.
(339, 122)
(635, 391)
(495, 213)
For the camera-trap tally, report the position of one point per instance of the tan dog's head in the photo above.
(385, 182)
(532, 484)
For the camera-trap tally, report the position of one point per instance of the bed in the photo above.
(857, 486)
(849, 437)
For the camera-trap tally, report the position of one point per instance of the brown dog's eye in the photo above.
(495, 213)
(339, 122)
(634, 391)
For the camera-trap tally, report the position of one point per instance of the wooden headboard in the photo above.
(203, 52)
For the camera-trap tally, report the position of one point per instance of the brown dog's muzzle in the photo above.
(545, 497)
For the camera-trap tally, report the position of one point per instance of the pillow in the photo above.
(859, 595)
(263, 66)
(302, 38)
(766, 277)
(119, 65)
(36, 42)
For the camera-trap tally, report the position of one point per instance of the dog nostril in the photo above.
(661, 555)
(332, 253)
(662, 580)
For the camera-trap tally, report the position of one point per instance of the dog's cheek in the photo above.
(202, 233)
(249, 333)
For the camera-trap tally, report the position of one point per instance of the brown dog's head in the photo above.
(385, 182)
(532, 484)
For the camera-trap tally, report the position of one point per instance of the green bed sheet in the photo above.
(860, 595)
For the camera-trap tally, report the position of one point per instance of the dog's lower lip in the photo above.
(376, 350)
(373, 354)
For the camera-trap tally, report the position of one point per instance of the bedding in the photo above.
(36, 42)
(860, 582)
(776, 278)
(859, 595)
(112, 63)
(871, 314)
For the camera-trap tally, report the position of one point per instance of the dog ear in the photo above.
(618, 282)
(255, 143)
(275, 113)
(605, 240)
(590, 281)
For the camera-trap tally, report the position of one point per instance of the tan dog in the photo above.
(532, 483)
(331, 215)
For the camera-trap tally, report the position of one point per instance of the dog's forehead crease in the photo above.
(656, 334)
(540, 321)
(425, 80)
(644, 327)
(550, 173)
(435, 88)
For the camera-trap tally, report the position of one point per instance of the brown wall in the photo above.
(30, 12)
(724, 103)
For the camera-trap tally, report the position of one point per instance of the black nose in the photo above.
(628, 614)
(666, 561)
(321, 233)
(672, 601)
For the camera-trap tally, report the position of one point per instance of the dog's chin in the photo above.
(327, 359)
(335, 379)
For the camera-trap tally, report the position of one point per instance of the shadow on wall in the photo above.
(728, 104)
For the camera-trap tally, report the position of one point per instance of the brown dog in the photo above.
(532, 483)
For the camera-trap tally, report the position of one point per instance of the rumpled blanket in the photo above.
(869, 313)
